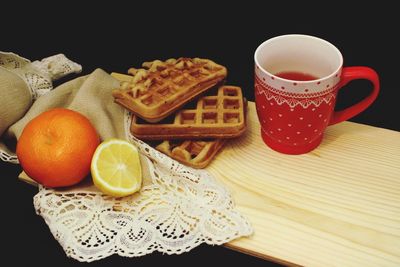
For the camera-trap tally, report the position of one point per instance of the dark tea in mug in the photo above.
(296, 76)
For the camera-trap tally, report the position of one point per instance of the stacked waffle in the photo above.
(180, 107)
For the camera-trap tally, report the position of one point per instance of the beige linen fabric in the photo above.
(91, 96)
(15, 98)
(21, 83)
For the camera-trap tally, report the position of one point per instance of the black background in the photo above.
(115, 36)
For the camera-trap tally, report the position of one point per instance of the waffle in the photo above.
(196, 154)
(160, 88)
(216, 116)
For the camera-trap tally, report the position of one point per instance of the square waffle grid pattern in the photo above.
(196, 154)
(160, 88)
(217, 116)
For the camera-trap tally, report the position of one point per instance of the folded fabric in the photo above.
(15, 98)
(21, 83)
(91, 96)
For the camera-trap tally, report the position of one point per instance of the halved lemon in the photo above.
(116, 168)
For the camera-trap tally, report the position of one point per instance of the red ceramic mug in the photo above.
(297, 78)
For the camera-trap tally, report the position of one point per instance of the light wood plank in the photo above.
(336, 206)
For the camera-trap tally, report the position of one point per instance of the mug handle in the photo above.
(354, 73)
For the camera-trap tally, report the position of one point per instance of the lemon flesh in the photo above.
(116, 168)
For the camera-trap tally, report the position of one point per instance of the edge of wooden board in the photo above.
(260, 255)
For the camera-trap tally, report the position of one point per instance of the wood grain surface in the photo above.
(338, 205)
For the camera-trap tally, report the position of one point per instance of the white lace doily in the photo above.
(178, 210)
(4, 156)
(38, 75)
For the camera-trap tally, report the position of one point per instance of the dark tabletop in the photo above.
(115, 37)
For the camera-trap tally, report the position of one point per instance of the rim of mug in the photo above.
(266, 42)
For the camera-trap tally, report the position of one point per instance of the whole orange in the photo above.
(56, 147)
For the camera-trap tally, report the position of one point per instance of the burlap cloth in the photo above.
(178, 207)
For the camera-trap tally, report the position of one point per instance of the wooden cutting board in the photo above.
(336, 206)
